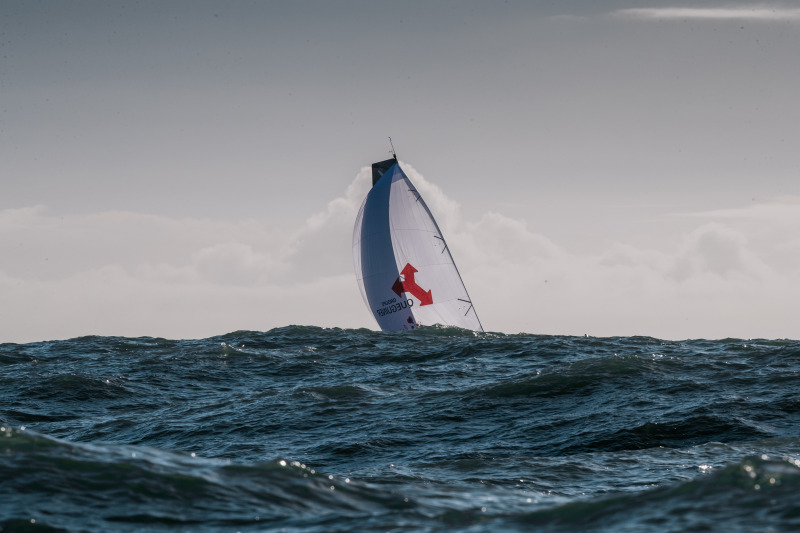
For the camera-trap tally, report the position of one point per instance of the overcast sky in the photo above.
(187, 169)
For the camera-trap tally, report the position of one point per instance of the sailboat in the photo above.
(404, 267)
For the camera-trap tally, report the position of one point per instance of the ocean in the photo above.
(439, 429)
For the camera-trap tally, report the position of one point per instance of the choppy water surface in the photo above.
(310, 429)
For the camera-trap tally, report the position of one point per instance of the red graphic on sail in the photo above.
(405, 283)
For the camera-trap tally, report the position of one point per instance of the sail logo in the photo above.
(406, 283)
(393, 306)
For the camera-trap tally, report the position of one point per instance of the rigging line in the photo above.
(443, 241)
(468, 308)
(415, 192)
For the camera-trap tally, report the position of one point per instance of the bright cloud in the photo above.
(755, 12)
(736, 273)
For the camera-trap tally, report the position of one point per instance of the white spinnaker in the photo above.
(404, 268)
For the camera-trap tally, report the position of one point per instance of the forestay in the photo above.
(404, 268)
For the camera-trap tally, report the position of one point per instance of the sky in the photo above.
(187, 169)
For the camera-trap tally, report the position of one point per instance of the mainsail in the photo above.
(404, 268)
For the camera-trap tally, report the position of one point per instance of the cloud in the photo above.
(113, 301)
(735, 273)
(754, 12)
(780, 210)
(123, 273)
(322, 246)
(717, 250)
(233, 262)
(724, 278)
(45, 246)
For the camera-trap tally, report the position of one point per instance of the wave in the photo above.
(756, 494)
(120, 487)
(151, 486)
(429, 430)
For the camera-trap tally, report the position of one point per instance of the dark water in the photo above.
(309, 429)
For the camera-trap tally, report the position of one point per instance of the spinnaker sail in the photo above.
(404, 268)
